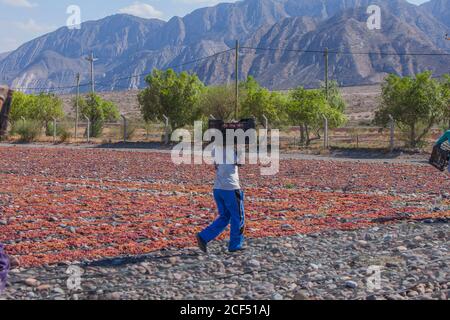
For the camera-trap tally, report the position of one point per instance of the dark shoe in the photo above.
(202, 244)
(236, 250)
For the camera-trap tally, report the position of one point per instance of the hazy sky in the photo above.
(23, 20)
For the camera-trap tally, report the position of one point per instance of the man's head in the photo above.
(3, 95)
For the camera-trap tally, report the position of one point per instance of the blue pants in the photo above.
(231, 211)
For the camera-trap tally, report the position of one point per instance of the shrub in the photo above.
(28, 130)
(62, 131)
(65, 136)
(117, 132)
(98, 111)
(49, 129)
(131, 130)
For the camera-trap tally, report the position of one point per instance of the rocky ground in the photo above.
(413, 259)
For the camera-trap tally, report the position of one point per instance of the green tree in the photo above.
(41, 108)
(48, 107)
(335, 99)
(258, 102)
(98, 111)
(218, 101)
(175, 95)
(21, 105)
(306, 108)
(416, 104)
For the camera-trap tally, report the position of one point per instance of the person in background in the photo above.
(4, 259)
(6, 96)
(230, 203)
(445, 138)
(3, 95)
(4, 268)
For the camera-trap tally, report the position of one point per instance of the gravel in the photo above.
(412, 259)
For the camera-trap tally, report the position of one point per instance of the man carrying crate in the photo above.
(227, 191)
(230, 204)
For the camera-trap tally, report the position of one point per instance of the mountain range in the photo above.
(129, 47)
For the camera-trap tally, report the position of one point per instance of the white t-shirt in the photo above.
(227, 173)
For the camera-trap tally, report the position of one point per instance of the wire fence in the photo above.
(136, 130)
(228, 56)
(120, 84)
(133, 129)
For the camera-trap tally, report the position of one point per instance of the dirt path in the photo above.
(346, 155)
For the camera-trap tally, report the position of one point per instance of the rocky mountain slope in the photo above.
(440, 9)
(3, 55)
(127, 45)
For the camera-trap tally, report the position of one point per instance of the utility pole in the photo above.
(236, 110)
(91, 59)
(326, 72)
(77, 115)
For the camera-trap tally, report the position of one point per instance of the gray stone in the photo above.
(277, 296)
(351, 284)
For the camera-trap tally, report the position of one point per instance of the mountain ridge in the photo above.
(128, 45)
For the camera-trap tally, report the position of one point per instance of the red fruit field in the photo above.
(63, 205)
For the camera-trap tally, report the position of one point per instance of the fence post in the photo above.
(54, 130)
(392, 129)
(88, 131)
(266, 122)
(326, 142)
(166, 134)
(125, 136)
(23, 120)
